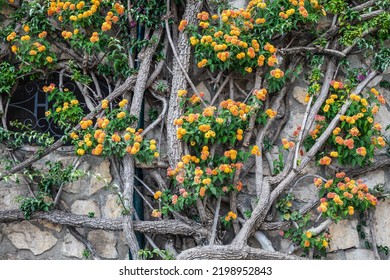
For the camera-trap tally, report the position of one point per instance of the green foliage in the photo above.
(155, 253)
(279, 164)
(354, 141)
(8, 78)
(241, 40)
(66, 112)
(86, 254)
(382, 59)
(16, 139)
(28, 205)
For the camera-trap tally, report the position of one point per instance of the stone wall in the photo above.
(38, 239)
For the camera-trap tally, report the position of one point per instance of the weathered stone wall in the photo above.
(38, 239)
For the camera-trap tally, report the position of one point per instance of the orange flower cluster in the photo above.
(260, 94)
(361, 151)
(86, 123)
(325, 160)
(286, 14)
(236, 108)
(271, 113)
(49, 88)
(94, 38)
(183, 23)
(336, 84)
(255, 151)
(286, 144)
(230, 216)
(232, 154)
(277, 73)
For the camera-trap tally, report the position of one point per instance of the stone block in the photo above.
(382, 223)
(8, 197)
(299, 94)
(201, 87)
(71, 247)
(51, 226)
(83, 207)
(374, 178)
(111, 208)
(100, 177)
(360, 254)
(104, 243)
(25, 235)
(343, 235)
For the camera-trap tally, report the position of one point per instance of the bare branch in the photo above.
(313, 50)
(232, 253)
(152, 227)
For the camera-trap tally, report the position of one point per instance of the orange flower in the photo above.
(182, 25)
(270, 113)
(361, 151)
(306, 243)
(255, 150)
(157, 195)
(325, 160)
(202, 191)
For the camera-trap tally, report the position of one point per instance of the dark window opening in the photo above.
(29, 104)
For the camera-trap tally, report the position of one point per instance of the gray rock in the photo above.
(337, 255)
(374, 178)
(356, 61)
(77, 186)
(382, 223)
(299, 94)
(111, 208)
(305, 191)
(71, 247)
(25, 235)
(83, 207)
(295, 120)
(101, 177)
(343, 235)
(104, 243)
(375, 81)
(51, 226)
(201, 87)
(8, 196)
(360, 254)
(238, 3)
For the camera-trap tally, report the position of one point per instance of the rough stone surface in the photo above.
(305, 190)
(101, 176)
(295, 120)
(382, 223)
(337, 255)
(356, 61)
(51, 226)
(111, 208)
(299, 94)
(104, 243)
(25, 235)
(83, 207)
(374, 178)
(71, 247)
(360, 254)
(8, 196)
(375, 81)
(201, 87)
(77, 186)
(344, 235)
(238, 3)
